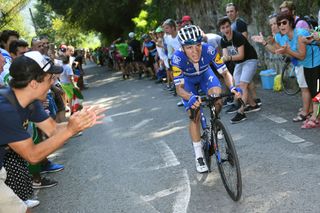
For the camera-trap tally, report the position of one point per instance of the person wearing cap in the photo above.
(32, 76)
(186, 20)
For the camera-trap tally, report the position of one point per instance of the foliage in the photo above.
(10, 18)
(60, 30)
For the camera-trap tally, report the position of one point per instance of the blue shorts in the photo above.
(206, 81)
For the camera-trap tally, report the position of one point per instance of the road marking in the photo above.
(274, 118)
(288, 136)
(305, 144)
(169, 159)
(183, 191)
(141, 124)
(183, 198)
(167, 155)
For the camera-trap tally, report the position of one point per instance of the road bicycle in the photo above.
(223, 149)
(288, 78)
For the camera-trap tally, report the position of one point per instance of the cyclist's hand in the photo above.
(193, 102)
(236, 91)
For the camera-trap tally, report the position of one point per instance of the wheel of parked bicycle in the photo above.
(228, 163)
(289, 79)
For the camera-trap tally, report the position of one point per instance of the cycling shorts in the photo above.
(205, 81)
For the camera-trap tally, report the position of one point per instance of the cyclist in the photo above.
(190, 66)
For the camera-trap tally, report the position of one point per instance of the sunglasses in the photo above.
(282, 23)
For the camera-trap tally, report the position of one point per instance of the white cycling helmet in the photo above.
(131, 35)
(189, 35)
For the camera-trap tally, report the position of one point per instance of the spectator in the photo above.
(31, 79)
(289, 7)
(186, 20)
(17, 48)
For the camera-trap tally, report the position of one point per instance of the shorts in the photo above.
(244, 72)
(300, 76)
(68, 89)
(9, 201)
(205, 81)
(312, 76)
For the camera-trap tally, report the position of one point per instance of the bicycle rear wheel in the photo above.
(289, 80)
(228, 163)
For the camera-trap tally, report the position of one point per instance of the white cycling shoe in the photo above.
(201, 165)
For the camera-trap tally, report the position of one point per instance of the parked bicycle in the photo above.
(288, 78)
(223, 149)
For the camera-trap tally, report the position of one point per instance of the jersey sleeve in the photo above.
(177, 67)
(216, 59)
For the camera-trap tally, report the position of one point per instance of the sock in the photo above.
(198, 149)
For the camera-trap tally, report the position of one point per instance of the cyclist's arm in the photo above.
(179, 83)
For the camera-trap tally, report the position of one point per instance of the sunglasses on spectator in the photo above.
(282, 23)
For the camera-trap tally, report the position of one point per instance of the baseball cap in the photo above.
(31, 63)
(63, 48)
(159, 29)
(186, 18)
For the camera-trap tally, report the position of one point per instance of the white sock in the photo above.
(198, 149)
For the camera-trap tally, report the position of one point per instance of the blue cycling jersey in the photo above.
(182, 66)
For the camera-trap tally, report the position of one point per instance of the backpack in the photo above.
(312, 21)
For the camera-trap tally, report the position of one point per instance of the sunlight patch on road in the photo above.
(167, 132)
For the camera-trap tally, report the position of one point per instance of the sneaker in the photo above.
(51, 167)
(31, 203)
(180, 103)
(238, 118)
(258, 101)
(44, 183)
(220, 135)
(233, 108)
(201, 165)
(252, 108)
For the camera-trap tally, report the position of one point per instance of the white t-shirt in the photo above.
(214, 40)
(64, 76)
(173, 44)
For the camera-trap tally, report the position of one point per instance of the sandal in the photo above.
(310, 124)
(300, 117)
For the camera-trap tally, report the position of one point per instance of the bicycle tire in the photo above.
(289, 80)
(226, 157)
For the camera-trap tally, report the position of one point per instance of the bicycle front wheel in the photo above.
(289, 80)
(228, 163)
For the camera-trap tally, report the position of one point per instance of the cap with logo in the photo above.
(30, 63)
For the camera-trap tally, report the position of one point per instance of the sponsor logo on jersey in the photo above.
(218, 60)
(211, 50)
(176, 59)
(176, 71)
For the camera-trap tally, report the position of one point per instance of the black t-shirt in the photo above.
(135, 45)
(239, 25)
(238, 40)
(14, 121)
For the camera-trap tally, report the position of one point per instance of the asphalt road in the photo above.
(141, 159)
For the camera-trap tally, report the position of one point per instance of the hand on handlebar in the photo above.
(194, 102)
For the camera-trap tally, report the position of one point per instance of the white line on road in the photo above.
(167, 154)
(274, 118)
(288, 136)
(141, 124)
(183, 191)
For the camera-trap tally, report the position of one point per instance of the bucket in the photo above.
(267, 78)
